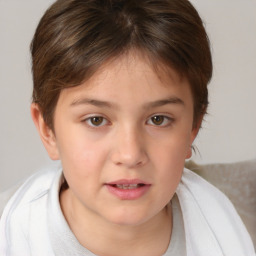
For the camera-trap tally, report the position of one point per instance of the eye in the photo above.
(96, 121)
(160, 120)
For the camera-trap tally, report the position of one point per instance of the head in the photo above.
(75, 38)
(120, 89)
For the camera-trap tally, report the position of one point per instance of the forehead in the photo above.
(138, 63)
(134, 73)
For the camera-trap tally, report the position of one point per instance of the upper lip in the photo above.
(127, 182)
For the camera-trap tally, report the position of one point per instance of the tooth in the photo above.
(127, 186)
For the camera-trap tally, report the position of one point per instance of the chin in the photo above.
(128, 217)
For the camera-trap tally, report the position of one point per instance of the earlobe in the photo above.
(193, 135)
(189, 153)
(46, 134)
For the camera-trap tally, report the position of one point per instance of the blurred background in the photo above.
(229, 130)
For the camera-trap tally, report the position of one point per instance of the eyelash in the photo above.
(88, 121)
(165, 122)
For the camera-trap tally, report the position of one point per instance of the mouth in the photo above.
(127, 186)
(128, 189)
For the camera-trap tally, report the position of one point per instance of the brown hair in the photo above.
(75, 37)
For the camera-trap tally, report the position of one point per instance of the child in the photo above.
(120, 90)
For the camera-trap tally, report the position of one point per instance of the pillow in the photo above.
(238, 182)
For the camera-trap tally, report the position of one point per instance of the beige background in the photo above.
(229, 132)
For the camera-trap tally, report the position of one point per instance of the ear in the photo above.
(193, 135)
(47, 135)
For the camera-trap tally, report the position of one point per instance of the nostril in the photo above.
(139, 163)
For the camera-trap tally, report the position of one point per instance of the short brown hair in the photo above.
(75, 37)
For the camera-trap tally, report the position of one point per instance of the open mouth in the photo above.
(128, 186)
(128, 189)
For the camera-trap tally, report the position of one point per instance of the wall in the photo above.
(228, 133)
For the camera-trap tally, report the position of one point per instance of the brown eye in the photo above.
(96, 120)
(160, 120)
(157, 120)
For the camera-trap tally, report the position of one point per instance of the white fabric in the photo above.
(212, 225)
(238, 182)
(32, 223)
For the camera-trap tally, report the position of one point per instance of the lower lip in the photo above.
(128, 194)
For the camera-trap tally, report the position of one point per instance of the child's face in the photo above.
(123, 137)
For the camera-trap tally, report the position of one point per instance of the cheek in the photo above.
(82, 165)
(82, 156)
(170, 164)
(173, 148)
(169, 157)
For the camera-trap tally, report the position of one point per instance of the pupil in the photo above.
(96, 120)
(158, 120)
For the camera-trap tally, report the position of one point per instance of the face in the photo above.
(123, 137)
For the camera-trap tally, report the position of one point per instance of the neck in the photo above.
(151, 237)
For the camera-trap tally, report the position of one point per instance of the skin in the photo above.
(144, 132)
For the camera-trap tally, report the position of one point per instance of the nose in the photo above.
(129, 149)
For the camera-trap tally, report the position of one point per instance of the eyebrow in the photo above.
(153, 104)
(94, 102)
(163, 102)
